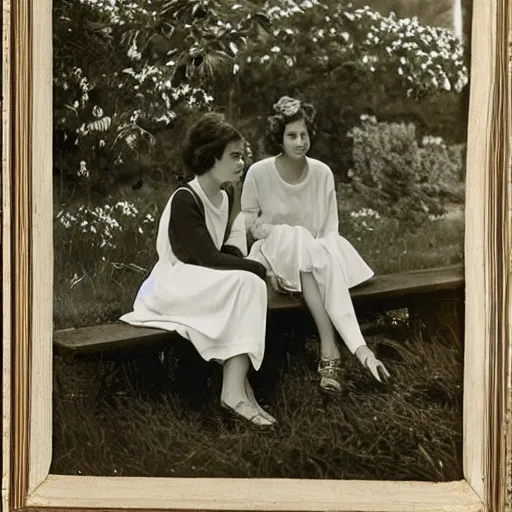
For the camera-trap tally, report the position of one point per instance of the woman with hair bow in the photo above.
(290, 209)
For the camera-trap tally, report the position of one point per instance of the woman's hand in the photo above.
(377, 368)
(261, 230)
(272, 280)
(369, 361)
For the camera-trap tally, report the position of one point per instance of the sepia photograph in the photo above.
(259, 238)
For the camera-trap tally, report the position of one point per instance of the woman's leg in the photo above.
(338, 304)
(315, 303)
(234, 395)
(233, 381)
(335, 297)
(329, 366)
(250, 394)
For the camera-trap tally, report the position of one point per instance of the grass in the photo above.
(390, 249)
(410, 429)
(90, 290)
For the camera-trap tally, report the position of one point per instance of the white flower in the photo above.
(128, 209)
(83, 171)
(130, 139)
(97, 111)
(132, 53)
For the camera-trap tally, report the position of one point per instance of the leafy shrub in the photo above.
(398, 177)
(440, 167)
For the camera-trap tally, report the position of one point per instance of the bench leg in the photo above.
(193, 379)
(78, 379)
(137, 371)
(103, 375)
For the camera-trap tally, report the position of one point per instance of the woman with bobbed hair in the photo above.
(290, 208)
(202, 286)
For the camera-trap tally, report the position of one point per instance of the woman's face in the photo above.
(296, 139)
(231, 165)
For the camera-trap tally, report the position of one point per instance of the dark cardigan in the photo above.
(191, 241)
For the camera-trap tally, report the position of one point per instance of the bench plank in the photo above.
(391, 288)
(111, 335)
(389, 291)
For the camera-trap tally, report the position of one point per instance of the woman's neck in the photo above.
(291, 168)
(210, 187)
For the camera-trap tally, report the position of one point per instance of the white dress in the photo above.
(222, 312)
(296, 230)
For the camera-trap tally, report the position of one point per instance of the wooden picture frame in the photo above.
(27, 308)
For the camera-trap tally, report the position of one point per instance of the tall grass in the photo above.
(410, 429)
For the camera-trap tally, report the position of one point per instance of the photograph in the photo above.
(259, 238)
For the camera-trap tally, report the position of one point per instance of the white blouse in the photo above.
(310, 203)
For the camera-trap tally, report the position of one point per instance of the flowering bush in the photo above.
(126, 72)
(361, 224)
(348, 61)
(420, 59)
(440, 165)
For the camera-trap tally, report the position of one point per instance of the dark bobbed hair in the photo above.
(206, 140)
(283, 115)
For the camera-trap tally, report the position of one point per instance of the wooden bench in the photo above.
(420, 291)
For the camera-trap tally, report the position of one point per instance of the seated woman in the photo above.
(290, 208)
(202, 286)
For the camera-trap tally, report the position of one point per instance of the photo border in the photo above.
(27, 284)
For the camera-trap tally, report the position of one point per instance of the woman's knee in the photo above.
(249, 279)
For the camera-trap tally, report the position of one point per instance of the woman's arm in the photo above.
(331, 221)
(251, 210)
(187, 227)
(236, 242)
